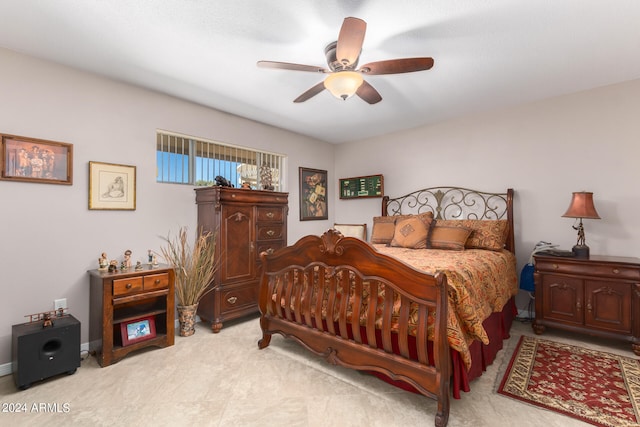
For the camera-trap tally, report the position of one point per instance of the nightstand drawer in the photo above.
(127, 286)
(156, 281)
(614, 271)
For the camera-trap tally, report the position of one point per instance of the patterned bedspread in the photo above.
(480, 283)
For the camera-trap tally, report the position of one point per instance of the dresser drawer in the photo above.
(270, 214)
(265, 246)
(615, 271)
(127, 286)
(238, 297)
(270, 232)
(156, 281)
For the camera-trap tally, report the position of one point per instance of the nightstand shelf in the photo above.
(599, 296)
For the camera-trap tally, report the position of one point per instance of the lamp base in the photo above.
(581, 251)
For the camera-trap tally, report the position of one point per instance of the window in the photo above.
(184, 159)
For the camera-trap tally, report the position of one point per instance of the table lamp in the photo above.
(581, 207)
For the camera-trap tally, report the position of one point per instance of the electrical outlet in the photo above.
(59, 303)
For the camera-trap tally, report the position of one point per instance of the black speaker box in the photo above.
(41, 352)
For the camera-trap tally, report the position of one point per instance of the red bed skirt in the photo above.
(497, 326)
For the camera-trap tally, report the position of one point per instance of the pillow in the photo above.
(446, 237)
(384, 226)
(383, 229)
(485, 234)
(411, 233)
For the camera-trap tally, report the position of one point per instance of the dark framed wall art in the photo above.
(36, 160)
(362, 186)
(313, 194)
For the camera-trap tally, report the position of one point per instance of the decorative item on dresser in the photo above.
(195, 267)
(597, 296)
(246, 223)
(118, 298)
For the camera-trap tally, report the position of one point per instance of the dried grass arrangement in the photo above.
(194, 266)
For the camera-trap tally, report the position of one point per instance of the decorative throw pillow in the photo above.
(411, 233)
(384, 226)
(485, 234)
(383, 229)
(445, 237)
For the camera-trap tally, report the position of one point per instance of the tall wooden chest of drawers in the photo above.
(245, 223)
(598, 296)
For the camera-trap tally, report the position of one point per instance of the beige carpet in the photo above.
(224, 380)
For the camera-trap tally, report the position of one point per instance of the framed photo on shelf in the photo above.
(313, 194)
(137, 330)
(36, 160)
(112, 187)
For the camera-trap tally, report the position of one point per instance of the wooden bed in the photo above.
(345, 300)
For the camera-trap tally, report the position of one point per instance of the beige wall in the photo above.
(49, 238)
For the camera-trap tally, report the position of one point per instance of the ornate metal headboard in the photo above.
(455, 203)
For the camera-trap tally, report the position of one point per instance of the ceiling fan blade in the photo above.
(396, 66)
(368, 93)
(290, 66)
(350, 41)
(310, 93)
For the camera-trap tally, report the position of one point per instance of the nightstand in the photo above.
(599, 296)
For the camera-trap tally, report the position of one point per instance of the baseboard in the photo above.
(524, 314)
(6, 369)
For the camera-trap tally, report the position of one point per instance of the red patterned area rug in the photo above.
(599, 388)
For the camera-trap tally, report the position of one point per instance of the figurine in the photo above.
(222, 181)
(150, 252)
(266, 177)
(127, 259)
(155, 261)
(138, 266)
(113, 266)
(103, 264)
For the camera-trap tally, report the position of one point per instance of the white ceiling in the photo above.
(488, 53)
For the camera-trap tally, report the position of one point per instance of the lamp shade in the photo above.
(343, 84)
(582, 206)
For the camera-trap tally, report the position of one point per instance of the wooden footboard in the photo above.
(346, 302)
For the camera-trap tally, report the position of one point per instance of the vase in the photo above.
(187, 319)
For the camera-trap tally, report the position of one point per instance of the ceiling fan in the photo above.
(345, 78)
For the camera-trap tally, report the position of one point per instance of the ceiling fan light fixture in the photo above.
(343, 84)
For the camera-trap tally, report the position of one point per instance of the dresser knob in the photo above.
(128, 286)
(232, 300)
(270, 233)
(157, 281)
(556, 266)
(616, 271)
(270, 215)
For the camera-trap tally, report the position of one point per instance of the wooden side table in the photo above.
(125, 297)
(599, 296)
